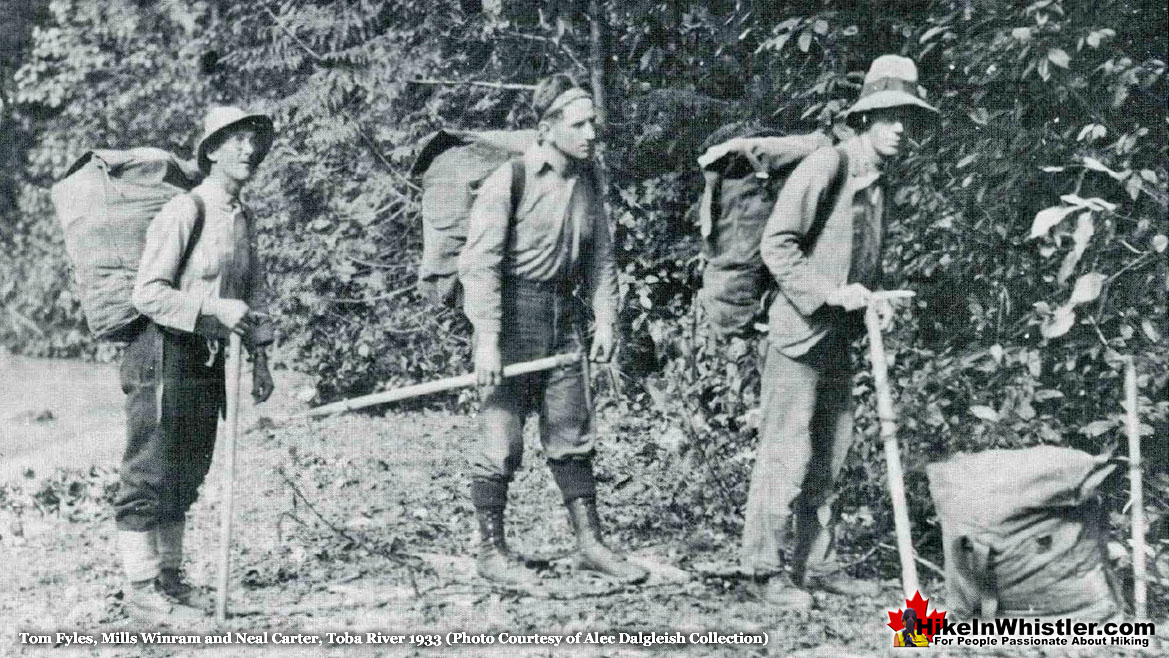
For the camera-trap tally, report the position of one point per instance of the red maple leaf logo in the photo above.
(930, 623)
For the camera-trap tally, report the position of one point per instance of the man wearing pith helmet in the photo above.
(198, 281)
(521, 265)
(825, 264)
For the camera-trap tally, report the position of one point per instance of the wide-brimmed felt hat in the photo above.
(221, 119)
(890, 82)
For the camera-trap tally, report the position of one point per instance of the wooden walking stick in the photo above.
(888, 419)
(232, 374)
(1136, 491)
(426, 388)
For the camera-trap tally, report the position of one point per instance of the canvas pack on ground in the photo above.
(743, 178)
(1023, 534)
(452, 164)
(105, 203)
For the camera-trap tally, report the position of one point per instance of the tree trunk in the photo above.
(597, 57)
(597, 22)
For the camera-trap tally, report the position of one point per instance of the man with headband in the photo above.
(519, 270)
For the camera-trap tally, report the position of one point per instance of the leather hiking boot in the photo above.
(781, 592)
(495, 562)
(839, 583)
(592, 551)
(148, 601)
(174, 584)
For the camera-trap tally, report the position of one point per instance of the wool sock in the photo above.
(574, 477)
(486, 494)
(139, 555)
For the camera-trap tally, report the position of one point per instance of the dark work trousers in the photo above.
(173, 403)
(537, 321)
(804, 436)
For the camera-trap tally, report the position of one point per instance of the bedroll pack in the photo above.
(1024, 535)
(105, 203)
(452, 164)
(743, 178)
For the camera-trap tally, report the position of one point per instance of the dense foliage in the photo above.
(1031, 218)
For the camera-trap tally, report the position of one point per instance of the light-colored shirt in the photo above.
(223, 264)
(559, 232)
(847, 249)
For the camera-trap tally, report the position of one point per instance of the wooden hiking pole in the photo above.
(1136, 491)
(426, 388)
(888, 419)
(232, 374)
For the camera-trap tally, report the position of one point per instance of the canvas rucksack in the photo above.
(452, 164)
(743, 178)
(105, 203)
(1025, 535)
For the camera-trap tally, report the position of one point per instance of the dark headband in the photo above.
(889, 84)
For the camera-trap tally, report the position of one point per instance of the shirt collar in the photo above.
(864, 167)
(543, 157)
(861, 162)
(215, 194)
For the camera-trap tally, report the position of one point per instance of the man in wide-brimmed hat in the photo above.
(825, 265)
(198, 280)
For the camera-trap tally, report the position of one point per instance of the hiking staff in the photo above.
(888, 419)
(232, 376)
(426, 388)
(1136, 491)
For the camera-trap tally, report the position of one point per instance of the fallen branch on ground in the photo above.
(920, 560)
(401, 559)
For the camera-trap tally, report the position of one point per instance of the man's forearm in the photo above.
(797, 281)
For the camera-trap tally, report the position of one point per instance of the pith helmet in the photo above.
(220, 119)
(890, 82)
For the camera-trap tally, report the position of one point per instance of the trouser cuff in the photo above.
(139, 555)
(574, 477)
(488, 494)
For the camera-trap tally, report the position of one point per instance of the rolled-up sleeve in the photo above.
(791, 219)
(156, 294)
(482, 256)
(602, 269)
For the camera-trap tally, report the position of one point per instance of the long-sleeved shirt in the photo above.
(559, 231)
(847, 250)
(223, 264)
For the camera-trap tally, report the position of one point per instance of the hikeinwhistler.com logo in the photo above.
(917, 626)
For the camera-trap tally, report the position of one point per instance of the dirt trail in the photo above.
(358, 524)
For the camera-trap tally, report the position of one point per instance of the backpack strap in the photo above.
(828, 203)
(518, 180)
(196, 232)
